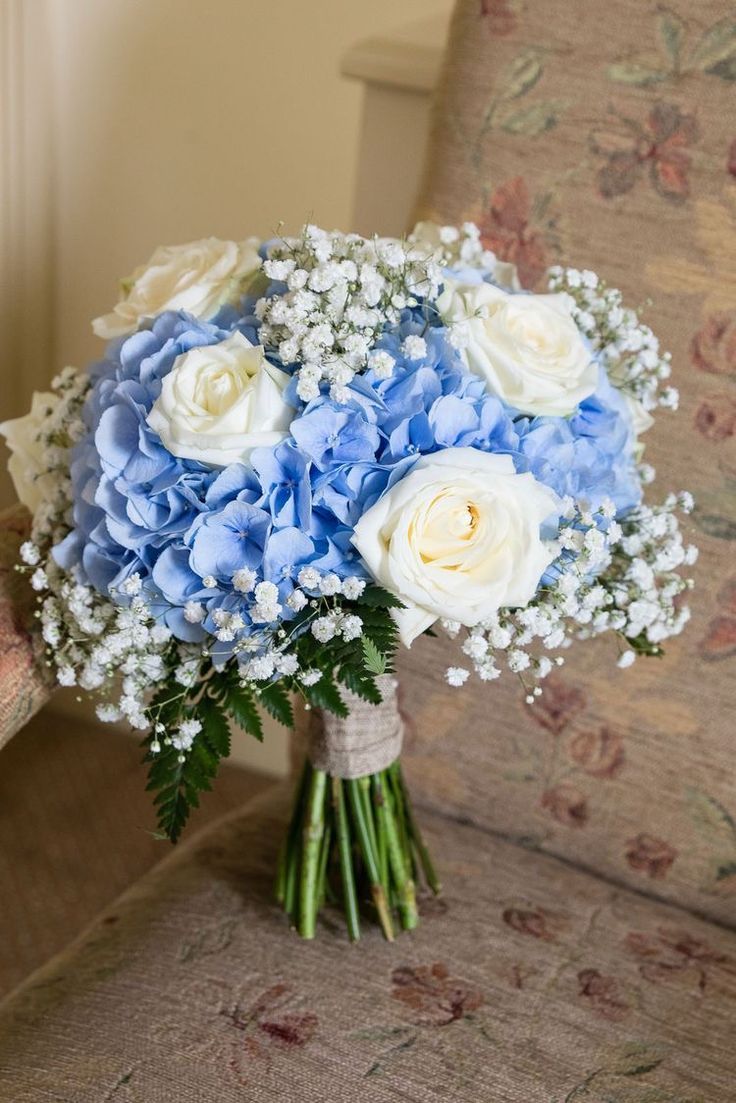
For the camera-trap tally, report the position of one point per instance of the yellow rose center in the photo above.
(448, 524)
(217, 390)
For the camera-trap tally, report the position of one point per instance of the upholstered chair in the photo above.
(584, 946)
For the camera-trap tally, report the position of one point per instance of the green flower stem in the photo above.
(292, 881)
(342, 828)
(313, 831)
(364, 788)
(369, 857)
(355, 831)
(287, 852)
(399, 806)
(324, 856)
(382, 842)
(416, 835)
(406, 894)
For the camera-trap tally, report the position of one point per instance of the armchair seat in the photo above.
(528, 981)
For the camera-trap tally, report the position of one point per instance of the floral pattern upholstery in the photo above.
(547, 972)
(24, 684)
(528, 982)
(604, 138)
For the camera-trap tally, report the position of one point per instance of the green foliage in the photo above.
(380, 598)
(241, 707)
(375, 660)
(218, 697)
(325, 695)
(177, 784)
(215, 728)
(275, 699)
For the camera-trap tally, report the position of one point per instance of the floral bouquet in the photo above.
(295, 455)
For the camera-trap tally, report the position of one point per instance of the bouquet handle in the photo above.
(353, 837)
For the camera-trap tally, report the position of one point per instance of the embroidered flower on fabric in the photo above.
(512, 227)
(432, 996)
(650, 855)
(657, 147)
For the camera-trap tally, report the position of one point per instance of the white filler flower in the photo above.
(528, 347)
(459, 538)
(27, 464)
(219, 402)
(198, 277)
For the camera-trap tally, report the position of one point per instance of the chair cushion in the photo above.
(603, 136)
(25, 683)
(528, 982)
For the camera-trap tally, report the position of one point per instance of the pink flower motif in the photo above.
(603, 995)
(507, 229)
(498, 16)
(650, 855)
(719, 641)
(715, 417)
(659, 144)
(558, 705)
(566, 804)
(433, 997)
(529, 921)
(713, 348)
(600, 753)
(665, 953)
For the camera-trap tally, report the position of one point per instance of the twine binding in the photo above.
(365, 742)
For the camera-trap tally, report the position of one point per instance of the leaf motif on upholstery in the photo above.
(710, 816)
(617, 1077)
(679, 50)
(534, 120)
(504, 110)
(717, 826)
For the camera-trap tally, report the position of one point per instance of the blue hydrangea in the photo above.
(589, 456)
(179, 524)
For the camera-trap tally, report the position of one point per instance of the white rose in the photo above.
(198, 277)
(219, 402)
(527, 347)
(26, 466)
(458, 537)
(641, 419)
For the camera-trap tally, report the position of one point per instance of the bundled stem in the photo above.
(360, 834)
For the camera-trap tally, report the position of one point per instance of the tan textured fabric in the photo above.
(604, 136)
(76, 828)
(528, 982)
(24, 681)
(364, 743)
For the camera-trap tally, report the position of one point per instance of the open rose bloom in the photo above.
(294, 457)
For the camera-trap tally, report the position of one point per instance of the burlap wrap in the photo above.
(367, 741)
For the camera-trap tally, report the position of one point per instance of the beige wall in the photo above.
(179, 118)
